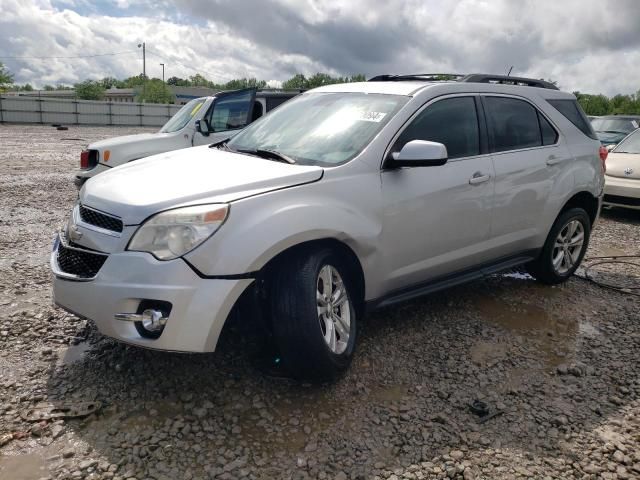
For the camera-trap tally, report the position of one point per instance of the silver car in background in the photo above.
(345, 199)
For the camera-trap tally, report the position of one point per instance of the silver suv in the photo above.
(346, 198)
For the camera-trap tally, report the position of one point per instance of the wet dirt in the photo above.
(22, 467)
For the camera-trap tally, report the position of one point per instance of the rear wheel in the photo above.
(313, 314)
(564, 248)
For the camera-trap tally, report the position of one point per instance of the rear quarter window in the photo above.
(573, 112)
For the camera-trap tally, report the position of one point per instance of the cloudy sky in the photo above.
(587, 45)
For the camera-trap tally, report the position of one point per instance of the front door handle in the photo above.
(479, 177)
(553, 160)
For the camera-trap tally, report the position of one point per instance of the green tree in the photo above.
(242, 83)
(198, 80)
(6, 77)
(178, 82)
(132, 82)
(111, 82)
(155, 91)
(297, 81)
(89, 90)
(48, 88)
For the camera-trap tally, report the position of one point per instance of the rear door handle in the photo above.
(479, 177)
(553, 160)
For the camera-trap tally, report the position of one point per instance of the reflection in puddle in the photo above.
(73, 353)
(22, 467)
(555, 336)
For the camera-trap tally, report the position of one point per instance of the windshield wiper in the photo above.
(222, 144)
(275, 155)
(268, 154)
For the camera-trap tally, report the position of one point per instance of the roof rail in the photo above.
(472, 78)
(424, 77)
(507, 80)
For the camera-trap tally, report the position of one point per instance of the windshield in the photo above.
(324, 129)
(186, 113)
(631, 144)
(622, 125)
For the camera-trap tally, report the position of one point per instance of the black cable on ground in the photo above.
(634, 290)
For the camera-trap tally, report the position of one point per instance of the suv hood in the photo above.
(124, 140)
(189, 176)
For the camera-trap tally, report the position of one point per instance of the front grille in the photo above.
(632, 202)
(101, 220)
(84, 264)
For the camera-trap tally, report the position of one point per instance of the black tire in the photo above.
(294, 312)
(542, 268)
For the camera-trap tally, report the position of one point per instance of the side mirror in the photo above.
(202, 127)
(611, 147)
(421, 153)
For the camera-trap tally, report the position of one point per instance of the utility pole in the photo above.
(144, 68)
(162, 72)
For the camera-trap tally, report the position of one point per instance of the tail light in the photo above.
(84, 159)
(603, 157)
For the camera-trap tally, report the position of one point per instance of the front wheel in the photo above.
(313, 314)
(564, 248)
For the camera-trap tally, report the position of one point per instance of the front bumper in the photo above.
(623, 192)
(199, 306)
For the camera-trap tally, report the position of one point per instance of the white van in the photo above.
(203, 120)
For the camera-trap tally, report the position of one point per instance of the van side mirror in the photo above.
(202, 127)
(420, 153)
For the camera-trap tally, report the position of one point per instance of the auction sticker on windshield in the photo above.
(372, 116)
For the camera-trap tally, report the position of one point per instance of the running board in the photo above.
(448, 281)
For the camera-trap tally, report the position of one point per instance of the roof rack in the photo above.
(508, 80)
(423, 77)
(472, 78)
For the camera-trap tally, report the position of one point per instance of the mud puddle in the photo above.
(553, 337)
(22, 467)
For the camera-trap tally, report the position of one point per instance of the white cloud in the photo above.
(586, 45)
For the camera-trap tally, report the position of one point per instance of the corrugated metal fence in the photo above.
(83, 112)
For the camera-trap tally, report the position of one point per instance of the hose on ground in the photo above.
(590, 274)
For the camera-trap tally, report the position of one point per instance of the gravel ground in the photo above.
(557, 366)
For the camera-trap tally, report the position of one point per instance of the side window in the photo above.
(452, 121)
(230, 112)
(549, 134)
(572, 110)
(513, 124)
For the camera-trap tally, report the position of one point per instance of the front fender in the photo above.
(261, 227)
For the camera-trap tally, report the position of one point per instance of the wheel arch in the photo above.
(352, 260)
(584, 200)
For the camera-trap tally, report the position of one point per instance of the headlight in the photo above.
(173, 233)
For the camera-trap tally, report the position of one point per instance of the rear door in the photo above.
(436, 220)
(229, 113)
(527, 157)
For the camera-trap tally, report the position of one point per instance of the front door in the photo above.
(437, 219)
(230, 112)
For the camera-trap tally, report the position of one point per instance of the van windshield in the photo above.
(325, 129)
(186, 113)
